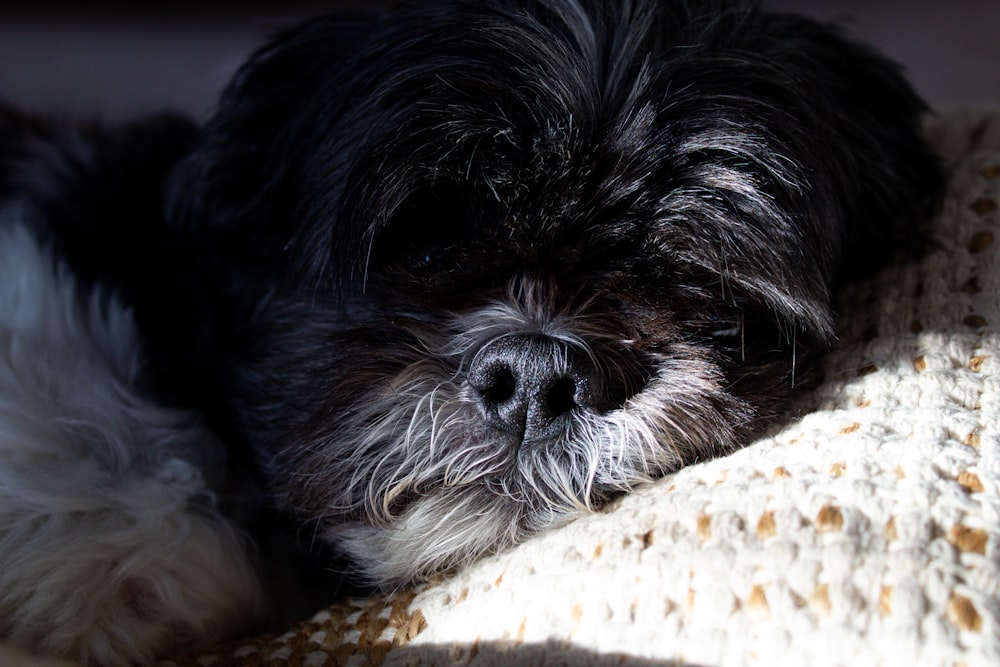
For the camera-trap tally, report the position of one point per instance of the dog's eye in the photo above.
(421, 231)
(724, 326)
(420, 244)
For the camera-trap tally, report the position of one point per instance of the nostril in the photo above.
(500, 387)
(561, 396)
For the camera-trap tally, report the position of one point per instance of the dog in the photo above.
(426, 283)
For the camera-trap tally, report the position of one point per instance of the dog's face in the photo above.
(491, 264)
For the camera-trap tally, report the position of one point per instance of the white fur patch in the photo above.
(110, 551)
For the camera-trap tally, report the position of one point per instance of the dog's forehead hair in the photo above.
(544, 113)
(529, 210)
(548, 225)
(549, 184)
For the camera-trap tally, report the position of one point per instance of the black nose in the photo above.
(529, 384)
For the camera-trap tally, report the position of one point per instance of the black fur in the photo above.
(671, 189)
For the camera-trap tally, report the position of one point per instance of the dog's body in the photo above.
(450, 276)
(110, 541)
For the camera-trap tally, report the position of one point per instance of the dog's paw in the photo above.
(112, 551)
(126, 585)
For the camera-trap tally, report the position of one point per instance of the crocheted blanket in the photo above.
(865, 530)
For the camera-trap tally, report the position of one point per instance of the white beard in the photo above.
(471, 492)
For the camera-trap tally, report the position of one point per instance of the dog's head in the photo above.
(486, 264)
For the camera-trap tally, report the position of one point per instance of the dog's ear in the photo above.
(803, 164)
(265, 126)
(868, 120)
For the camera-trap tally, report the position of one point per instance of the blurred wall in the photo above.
(123, 59)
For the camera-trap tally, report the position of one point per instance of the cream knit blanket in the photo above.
(865, 531)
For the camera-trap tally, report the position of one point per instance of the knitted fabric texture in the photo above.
(863, 531)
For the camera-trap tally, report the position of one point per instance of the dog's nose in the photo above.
(529, 384)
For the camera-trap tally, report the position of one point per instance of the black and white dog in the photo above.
(432, 280)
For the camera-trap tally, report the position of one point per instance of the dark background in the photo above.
(119, 59)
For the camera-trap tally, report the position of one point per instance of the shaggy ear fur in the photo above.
(890, 178)
(826, 172)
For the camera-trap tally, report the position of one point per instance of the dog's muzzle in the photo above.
(529, 385)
